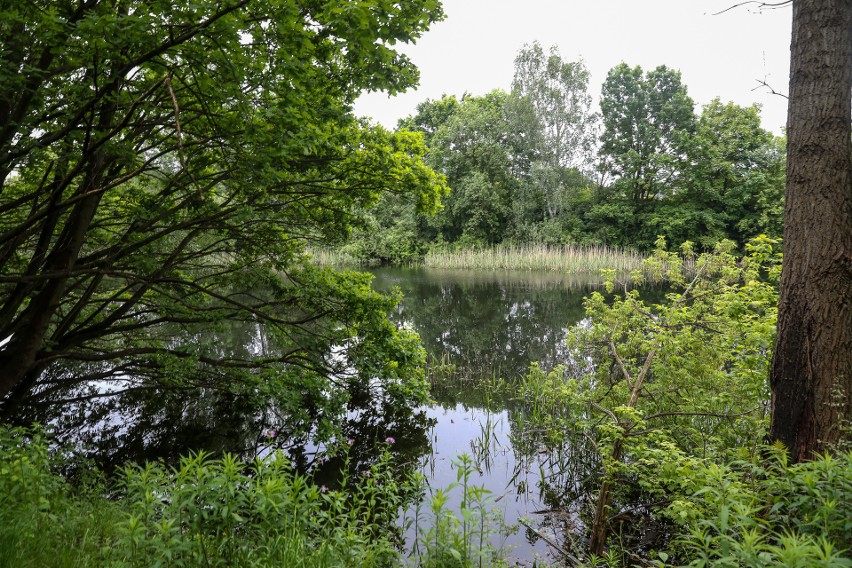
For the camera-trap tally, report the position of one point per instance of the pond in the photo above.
(481, 331)
(484, 329)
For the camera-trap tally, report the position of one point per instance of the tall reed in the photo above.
(327, 256)
(570, 258)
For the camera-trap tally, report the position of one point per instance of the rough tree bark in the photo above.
(811, 376)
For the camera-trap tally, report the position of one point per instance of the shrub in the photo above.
(205, 512)
(766, 512)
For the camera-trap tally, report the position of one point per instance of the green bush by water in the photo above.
(762, 511)
(229, 513)
(671, 398)
(206, 512)
(755, 511)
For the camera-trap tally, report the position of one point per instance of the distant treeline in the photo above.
(537, 166)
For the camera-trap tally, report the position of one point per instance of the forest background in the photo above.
(540, 165)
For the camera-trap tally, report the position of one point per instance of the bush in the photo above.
(767, 512)
(206, 512)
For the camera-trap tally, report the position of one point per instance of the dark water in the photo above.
(484, 328)
(489, 321)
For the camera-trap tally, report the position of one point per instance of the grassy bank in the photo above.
(205, 512)
(228, 513)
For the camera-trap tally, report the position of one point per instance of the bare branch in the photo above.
(764, 84)
(760, 6)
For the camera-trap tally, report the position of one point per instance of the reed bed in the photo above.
(570, 258)
(325, 256)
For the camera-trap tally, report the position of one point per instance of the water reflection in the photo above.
(482, 330)
(490, 322)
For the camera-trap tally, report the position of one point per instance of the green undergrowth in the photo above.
(756, 512)
(762, 511)
(205, 512)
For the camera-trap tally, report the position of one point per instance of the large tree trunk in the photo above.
(811, 374)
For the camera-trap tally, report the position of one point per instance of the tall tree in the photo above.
(472, 147)
(647, 122)
(811, 375)
(647, 119)
(733, 183)
(162, 164)
(551, 99)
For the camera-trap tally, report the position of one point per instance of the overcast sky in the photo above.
(723, 55)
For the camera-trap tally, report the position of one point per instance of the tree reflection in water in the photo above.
(482, 331)
(124, 420)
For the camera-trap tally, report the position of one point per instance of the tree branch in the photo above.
(760, 5)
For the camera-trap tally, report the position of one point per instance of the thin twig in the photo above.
(763, 83)
(760, 5)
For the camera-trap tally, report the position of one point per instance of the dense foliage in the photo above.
(764, 511)
(672, 400)
(535, 165)
(204, 512)
(162, 165)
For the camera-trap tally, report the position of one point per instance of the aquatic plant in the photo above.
(464, 537)
(571, 258)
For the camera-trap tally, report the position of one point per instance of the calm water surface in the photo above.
(490, 326)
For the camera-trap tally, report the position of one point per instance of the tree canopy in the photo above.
(162, 165)
(552, 109)
(535, 165)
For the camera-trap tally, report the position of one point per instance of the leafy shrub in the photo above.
(205, 512)
(767, 512)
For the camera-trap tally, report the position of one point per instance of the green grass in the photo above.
(570, 259)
